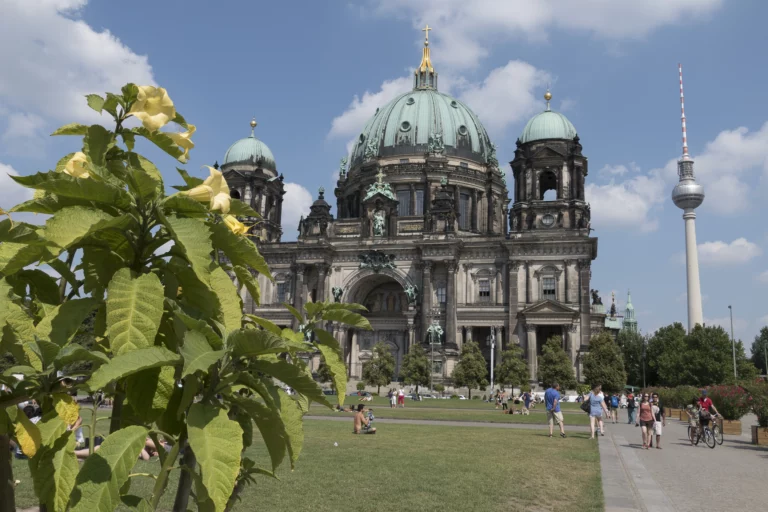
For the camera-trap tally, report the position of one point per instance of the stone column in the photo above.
(572, 343)
(354, 367)
(499, 297)
(585, 273)
(474, 222)
(513, 305)
(298, 289)
(450, 313)
(426, 298)
(322, 272)
(411, 336)
(527, 282)
(567, 298)
(499, 345)
(412, 206)
(467, 283)
(532, 350)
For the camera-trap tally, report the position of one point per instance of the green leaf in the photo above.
(70, 225)
(179, 120)
(191, 387)
(197, 353)
(294, 376)
(42, 286)
(196, 325)
(66, 319)
(334, 359)
(134, 310)
(217, 442)
(111, 103)
(185, 205)
(71, 129)
(64, 185)
(136, 503)
(162, 141)
(96, 143)
(14, 257)
(98, 264)
(292, 416)
(147, 181)
(193, 237)
(295, 312)
(76, 353)
(130, 363)
(229, 301)
(239, 249)
(95, 101)
(246, 423)
(54, 469)
(257, 342)
(149, 392)
(19, 232)
(270, 426)
(190, 181)
(347, 317)
(130, 93)
(103, 473)
(264, 323)
(240, 209)
(63, 270)
(252, 285)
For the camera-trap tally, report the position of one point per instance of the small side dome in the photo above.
(251, 151)
(548, 125)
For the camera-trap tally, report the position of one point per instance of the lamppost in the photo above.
(433, 332)
(733, 345)
(643, 362)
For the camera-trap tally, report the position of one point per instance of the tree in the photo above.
(380, 368)
(760, 351)
(471, 370)
(415, 367)
(555, 365)
(603, 364)
(631, 346)
(665, 355)
(512, 370)
(324, 373)
(168, 342)
(745, 368)
(440, 388)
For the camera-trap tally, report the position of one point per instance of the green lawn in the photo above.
(409, 467)
(383, 401)
(490, 415)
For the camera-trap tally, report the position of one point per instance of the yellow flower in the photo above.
(214, 190)
(183, 140)
(154, 107)
(235, 225)
(77, 167)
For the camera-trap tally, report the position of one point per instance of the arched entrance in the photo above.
(383, 294)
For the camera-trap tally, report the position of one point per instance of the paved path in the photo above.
(441, 423)
(681, 477)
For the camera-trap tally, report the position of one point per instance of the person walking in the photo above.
(552, 403)
(596, 408)
(660, 420)
(401, 397)
(615, 407)
(526, 402)
(646, 420)
(504, 401)
(631, 408)
(392, 399)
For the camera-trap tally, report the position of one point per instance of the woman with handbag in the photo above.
(596, 403)
(646, 420)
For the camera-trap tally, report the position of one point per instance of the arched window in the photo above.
(548, 186)
(549, 280)
(441, 294)
(234, 194)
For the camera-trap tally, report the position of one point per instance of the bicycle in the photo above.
(717, 432)
(706, 433)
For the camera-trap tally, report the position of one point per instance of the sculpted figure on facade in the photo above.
(343, 167)
(435, 145)
(371, 149)
(337, 292)
(377, 260)
(379, 222)
(491, 158)
(435, 333)
(412, 293)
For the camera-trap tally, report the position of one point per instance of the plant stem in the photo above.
(63, 283)
(7, 497)
(92, 430)
(117, 412)
(185, 481)
(165, 470)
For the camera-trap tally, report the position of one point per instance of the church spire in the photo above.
(630, 322)
(425, 76)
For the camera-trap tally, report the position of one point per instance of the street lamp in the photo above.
(492, 341)
(733, 345)
(432, 332)
(643, 362)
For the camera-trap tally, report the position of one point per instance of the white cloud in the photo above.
(619, 170)
(509, 94)
(11, 193)
(464, 29)
(24, 134)
(763, 277)
(626, 205)
(296, 203)
(353, 120)
(51, 60)
(739, 324)
(740, 250)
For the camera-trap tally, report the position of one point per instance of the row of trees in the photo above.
(671, 357)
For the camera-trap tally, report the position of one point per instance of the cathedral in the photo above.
(426, 234)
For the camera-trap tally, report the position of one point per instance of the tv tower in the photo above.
(688, 195)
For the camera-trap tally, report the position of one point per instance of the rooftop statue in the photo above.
(491, 158)
(596, 300)
(343, 167)
(412, 292)
(435, 145)
(371, 149)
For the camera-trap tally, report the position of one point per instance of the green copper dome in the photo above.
(548, 125)
(252, 151)
(405, 125)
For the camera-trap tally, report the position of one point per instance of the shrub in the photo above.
(684, 395)
(360, 386)
(485, 398)
(731, 401)
(475, 397)
(525, 387)
(454, 397)
(582, 389)
(758, 401)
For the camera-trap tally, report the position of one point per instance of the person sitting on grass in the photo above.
(362, 425)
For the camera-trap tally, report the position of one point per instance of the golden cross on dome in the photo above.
(426, 29)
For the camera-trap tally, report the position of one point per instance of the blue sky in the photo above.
(313, 72)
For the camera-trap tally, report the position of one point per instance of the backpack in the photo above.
(614, 401)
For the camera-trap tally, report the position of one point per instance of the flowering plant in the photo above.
(732, 402)
(758, 401)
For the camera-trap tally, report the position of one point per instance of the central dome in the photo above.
(403, 127)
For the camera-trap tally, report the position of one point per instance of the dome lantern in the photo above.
(548, 125)
(250, 151)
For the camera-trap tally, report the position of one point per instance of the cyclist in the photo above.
(706, 409)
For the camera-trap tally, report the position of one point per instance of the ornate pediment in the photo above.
(548, 307)
(377, 260)
(548, 152)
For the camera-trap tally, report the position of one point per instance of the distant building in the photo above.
(630, 322)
